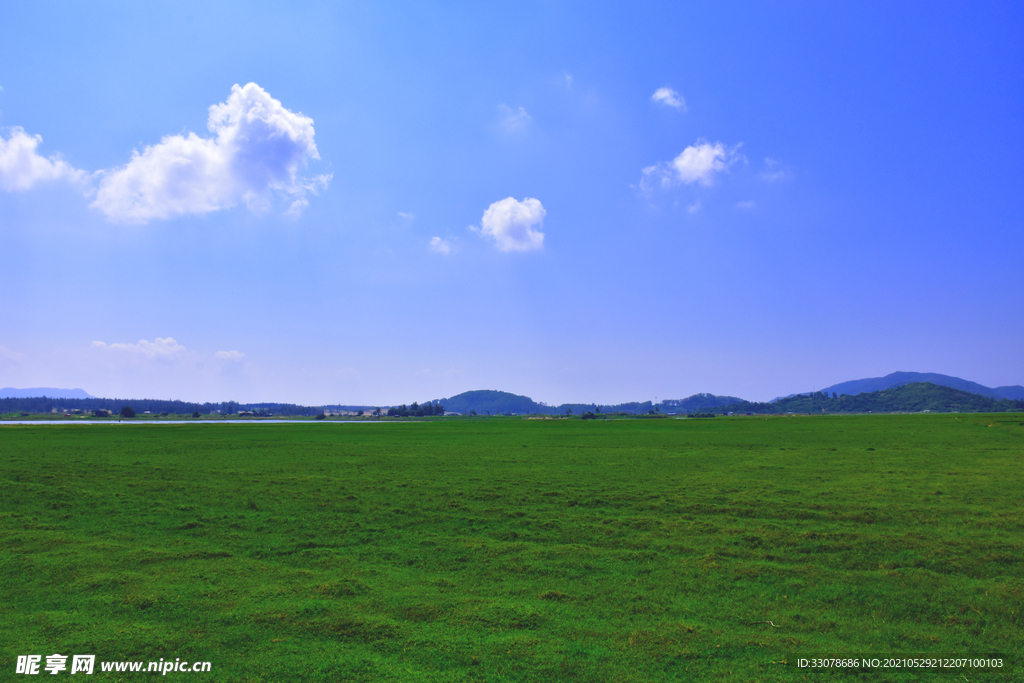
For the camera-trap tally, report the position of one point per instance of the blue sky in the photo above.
(573, 201)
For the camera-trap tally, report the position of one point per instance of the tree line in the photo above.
(914, 397)
(43, 404)
(416, 410)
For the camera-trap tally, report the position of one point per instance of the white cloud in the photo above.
(567, 79)
(697, 164)
(257, 150)
(21, 166)
(164, 348)
(440, 246)
(693, 208)
(512, 224)
(513, 120)
(749, 204)
(700, 163)
(669, 98)
(406, 216)
(229, 355)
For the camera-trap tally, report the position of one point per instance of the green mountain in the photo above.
(494, 402)
(914, 397)
(897, 379)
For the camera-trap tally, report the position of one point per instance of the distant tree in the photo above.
(568, 411)
(359, 414)
(588, 416)
(472, 412)
(127, 411)
(376, 412)
(321, 416)
(834, 395)
(439, 409)
(414, 407)
(195, 414)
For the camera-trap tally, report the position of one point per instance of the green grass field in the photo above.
(509, 549)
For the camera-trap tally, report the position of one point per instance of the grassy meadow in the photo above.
(509, 549)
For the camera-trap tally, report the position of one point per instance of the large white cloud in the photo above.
(21, 166)
(697, 164)
(514, 225)
(257, 149)
(164, 348)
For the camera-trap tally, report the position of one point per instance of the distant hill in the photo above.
(897, 379)
(914, 397)
(502, 402)
(1015, 392)
(495, 402)
(11, 392)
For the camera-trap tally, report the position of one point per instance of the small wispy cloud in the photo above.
(746, 205)
(669, 98)
(440, 246)
(297, 207)
(693, 208)
(514, 225)
(699, 163)
(774, 171)
(406, 216)
(513, 120)
(163, 348)
(567, 79)
(9, 356)
(22, 167)
(229, 355)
